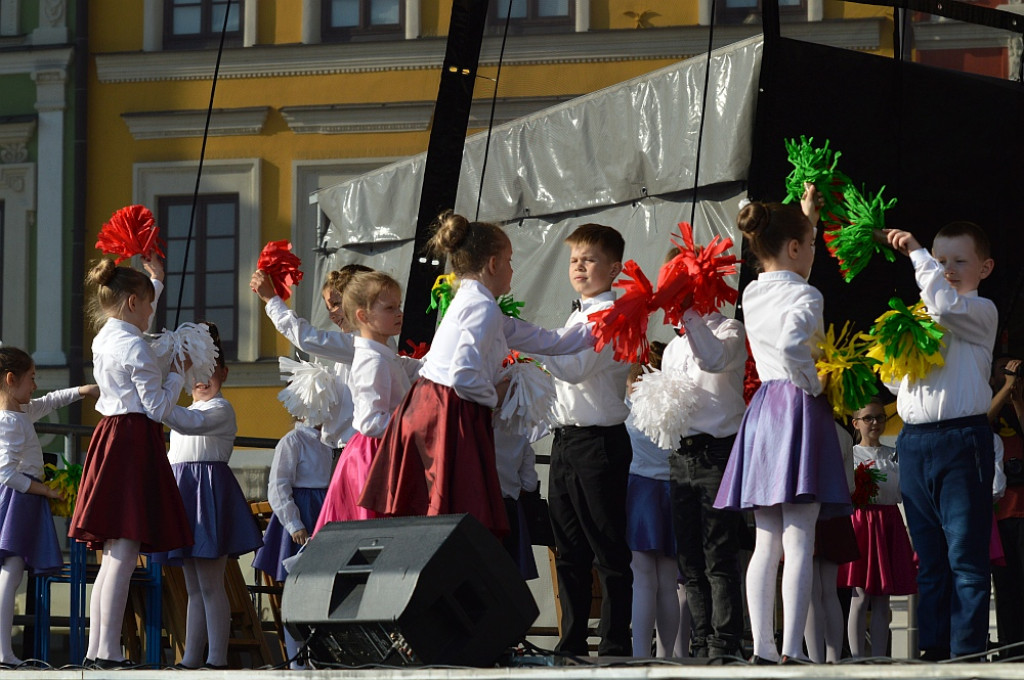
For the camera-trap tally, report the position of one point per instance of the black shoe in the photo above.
(758, 661)
(111, 665)
(183, 667)
(213, 667)
(939, 654)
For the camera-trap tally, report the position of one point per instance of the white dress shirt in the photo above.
(130, 380)
(516, 462)
(713, 355)
(474, 337)
(783, 316)
(379, 380)
(960, 387)
(590, 387)
(301, 461)
(336, 346)
(212, 440)
(884, 458)
(21, 455)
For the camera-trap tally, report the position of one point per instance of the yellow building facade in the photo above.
(312, 92)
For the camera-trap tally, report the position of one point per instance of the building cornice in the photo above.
(956, 35)
(263, 61)
(33, 59)
(172, 124)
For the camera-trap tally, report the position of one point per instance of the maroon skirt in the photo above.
(128, 489)
(437, 458)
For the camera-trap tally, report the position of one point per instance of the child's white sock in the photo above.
(10, 578)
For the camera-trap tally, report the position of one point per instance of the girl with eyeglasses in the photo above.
(886, 566)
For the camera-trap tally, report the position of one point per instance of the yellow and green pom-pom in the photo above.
(854, 243)
(906, 342)
(851, 379)
(441, 294)
(66, 480)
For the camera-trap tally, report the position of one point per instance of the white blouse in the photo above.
(212, 440)
(884, 461)
(21, 455)
(301, 461)
(379, 380)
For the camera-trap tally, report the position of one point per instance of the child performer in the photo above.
(520, 490)
(336, 346)
(128, 501)
(222, 524)
(378, 380)
(712, 352)
(590, 458)
(785, 464)
(946, 447)
(299, 475)
(651, 539)
(437, 454)
(27, 536)
(886, 564)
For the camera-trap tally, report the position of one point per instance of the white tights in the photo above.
(824, 630)
(209, 614)
(109, 598)
(10, 578)
(655, 582)
(879, 623)
(786, 528)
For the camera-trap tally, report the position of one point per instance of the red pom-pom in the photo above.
(674, 286)
(282, 266)
(708, 266)
(751, 380)
(416, 350)
(130, 232)
(624, 324)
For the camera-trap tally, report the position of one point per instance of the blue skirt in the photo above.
(277, 543)
(218, 514)
(786, 451)
(26, 531)
(649, 516)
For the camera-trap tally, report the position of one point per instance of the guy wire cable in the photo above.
(202, 156)
(703, 111)
(494, 103)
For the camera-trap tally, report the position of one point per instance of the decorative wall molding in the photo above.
(173, 124)
(428, 53)
(403, 116)
(10, 17)
(37, 59)
(50, 90)
(14, 140)
(52, 29)
(956, 35)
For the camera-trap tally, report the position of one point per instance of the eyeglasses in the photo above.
(872, 419)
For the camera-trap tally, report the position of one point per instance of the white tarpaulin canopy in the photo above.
(623, 156)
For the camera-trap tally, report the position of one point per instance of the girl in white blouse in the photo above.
(128, 501)
(437, 453)
(378, 380)
(785, 464)
(27, 536)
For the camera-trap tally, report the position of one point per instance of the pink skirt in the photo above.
(887, 564)
(342, 502)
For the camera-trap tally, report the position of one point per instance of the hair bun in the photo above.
(452, 231)
(102, 273)
(753, 218)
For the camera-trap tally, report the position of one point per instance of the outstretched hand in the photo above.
(901, 241)
(261, 284)
(154, 267)
(811, 203)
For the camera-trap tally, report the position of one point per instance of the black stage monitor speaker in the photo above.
(406, 592)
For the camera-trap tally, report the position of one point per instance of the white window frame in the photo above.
(153, 24)
(236, 176)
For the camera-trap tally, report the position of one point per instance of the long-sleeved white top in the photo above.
(959, 388)
(713, 355)
(590, 387)
(649, 459)
(301, 461)
(516, 462)
(474, 337)
(212, 440)
(379, 380)
(130, 379)
(783, 316)
(884, 459)
(21, 455)
(336, 346)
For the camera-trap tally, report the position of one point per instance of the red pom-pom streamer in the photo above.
(674, 287)
(130, 232)
(624, 324)
(707, 267)
(282, 266)
(751, 380)
(417, 350)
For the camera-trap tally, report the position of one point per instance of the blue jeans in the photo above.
(946, 473)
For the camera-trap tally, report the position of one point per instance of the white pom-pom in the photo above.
(662, 405)
(744, 202)
(194, 341)
(530, 399)
(311, 393)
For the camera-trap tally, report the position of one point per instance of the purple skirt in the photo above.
(277, 543)
(786, 451)
(220, 517)
(649, 516)
(26, 531)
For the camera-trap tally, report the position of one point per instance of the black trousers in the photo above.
(1009, 583)
(587, 498)
(707, 541)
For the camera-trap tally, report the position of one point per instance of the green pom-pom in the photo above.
(854, 243)
(441, 294)
(510, 307)
(817, 166)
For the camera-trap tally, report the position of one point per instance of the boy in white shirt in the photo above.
(946, 448)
